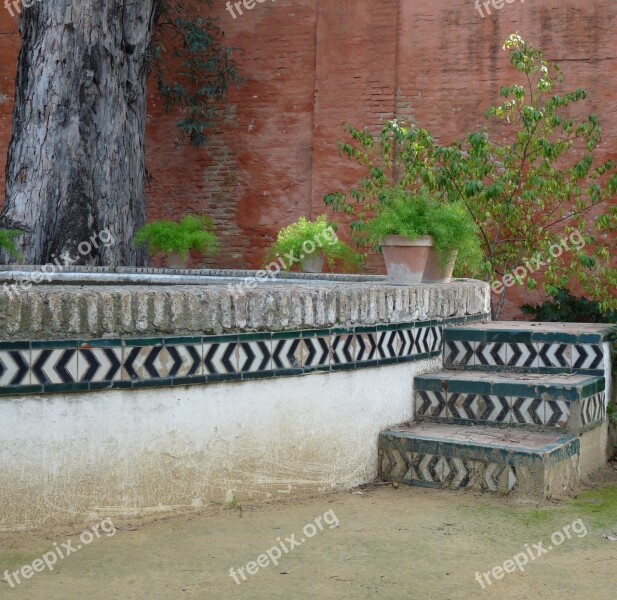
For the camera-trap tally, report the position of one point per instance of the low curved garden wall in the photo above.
(145, 391)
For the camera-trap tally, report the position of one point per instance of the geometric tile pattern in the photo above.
(554, 355)
(516, 411)
(430, 404)
(459, 353)
(593, 409)
(40, 367)
(491, 353)
(525, 356)
(556, 413)
(477, 407)
(587, 356)
(453, 472)
(528, 411)
(477, 457)
(14, 367)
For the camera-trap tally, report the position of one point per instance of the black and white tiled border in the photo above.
(466, 408)
(432, 470)
(64, 366)
(587, 358)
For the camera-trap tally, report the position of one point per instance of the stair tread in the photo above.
(487, 437)
(512, 377)
(571, 328)
(528, 332)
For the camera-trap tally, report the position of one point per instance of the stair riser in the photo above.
(457, 466)
(538, 357)
(557, 413)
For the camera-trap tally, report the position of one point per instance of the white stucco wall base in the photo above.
(74, 457)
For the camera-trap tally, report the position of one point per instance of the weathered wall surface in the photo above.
(66, 458)
(138, 440)
(311, 65)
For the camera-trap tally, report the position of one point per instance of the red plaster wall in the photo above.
(312, 65)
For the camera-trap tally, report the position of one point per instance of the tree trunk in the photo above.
(76, 162)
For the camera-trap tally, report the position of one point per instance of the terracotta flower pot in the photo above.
(405, 258)
(433, 273)
(313, 264)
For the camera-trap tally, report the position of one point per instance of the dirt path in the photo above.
(406, 543)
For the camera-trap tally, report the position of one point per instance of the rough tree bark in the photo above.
(76, 161)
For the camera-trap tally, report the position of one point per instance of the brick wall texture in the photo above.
(311, 65)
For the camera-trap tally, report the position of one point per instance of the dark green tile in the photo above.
(182, 341)
(513, 337)
(344, 367)
(309, 333)
(59, 388)
(392, 327)
(464, 335)
(14, 345)
(550, 337)
(265, 336)
(196, 380)
(592, 338)
(257, 375)
(19, 390)
(220, 339)
(219, 377)
(105, 343)
(567, 393)
(341, 331)
(287, 335)
(54, 344)
(287, 372)
(95, 386)
(469, 387)
(428, 383)
(372, 329)
(135, 342)
(319, 368)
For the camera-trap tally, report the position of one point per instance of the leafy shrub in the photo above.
(564, 307)
(412, 216)
(168, 237)
(7, 242)
(293, 240)
(538, 179)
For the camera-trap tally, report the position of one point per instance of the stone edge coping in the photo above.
(585, 387)
(145, 274)
(94, 312)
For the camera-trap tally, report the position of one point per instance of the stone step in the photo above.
(569, 402)
(534, 464)
(534, 347)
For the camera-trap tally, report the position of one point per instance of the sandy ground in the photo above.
(389, 543)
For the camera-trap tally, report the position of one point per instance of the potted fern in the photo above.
(177, 240)
(422, 237)
(311, 244)
(8, 244)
